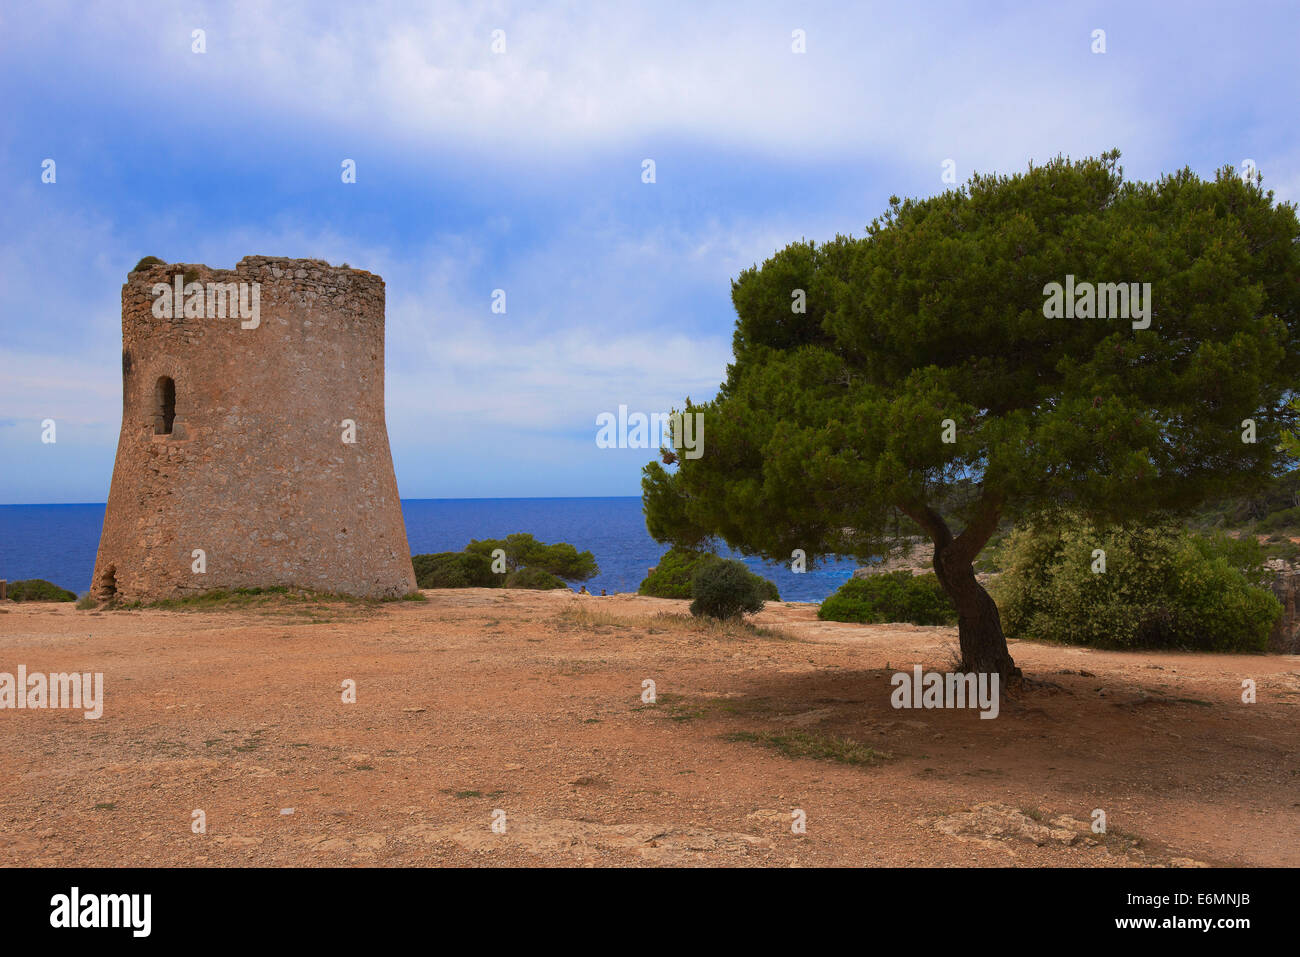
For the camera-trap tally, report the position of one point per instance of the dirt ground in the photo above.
(487, 704)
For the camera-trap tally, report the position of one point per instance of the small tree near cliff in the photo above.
(925, 379)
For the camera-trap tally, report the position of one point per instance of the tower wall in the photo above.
(255, 471)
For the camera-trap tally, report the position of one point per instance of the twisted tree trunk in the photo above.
(979, 626)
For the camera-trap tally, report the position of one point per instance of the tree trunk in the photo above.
(979, 626)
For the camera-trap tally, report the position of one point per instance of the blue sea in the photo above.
(58, 542)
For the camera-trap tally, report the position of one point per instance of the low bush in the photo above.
(673, 576)
(724, 588)
(527, 563)
(454, 570)
(537, 578)
(1162, 587)
(1286, 550)
(38, 589)
(890, 597)
(1285, 520)
(524, 551)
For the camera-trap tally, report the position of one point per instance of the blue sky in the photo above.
(522, 171)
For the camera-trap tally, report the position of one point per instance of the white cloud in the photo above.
(612, 298)
(991, 89)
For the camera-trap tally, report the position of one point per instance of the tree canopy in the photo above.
(828, 433)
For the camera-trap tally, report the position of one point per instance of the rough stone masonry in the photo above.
(253, 453)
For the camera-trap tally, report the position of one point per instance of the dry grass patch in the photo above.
(813, 744)
(660, 623)
(303, 605)
(677, 707)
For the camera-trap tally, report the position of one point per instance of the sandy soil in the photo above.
(529, 703)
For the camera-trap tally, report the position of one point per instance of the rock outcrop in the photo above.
(1285, 638)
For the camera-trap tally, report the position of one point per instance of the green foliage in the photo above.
(1283, 520)
(454, 570)
(1291, 439)
(1163, 587)
(38, 589)
(673, 576)
(1272, 511)
(828, 425)
(1284, 549)
(766, 588)
(148, 261)
(529, 577)
(725, 588)
(561, 559)
(892, 597)
(1243, 553)
(529, 564)
(1274, 507)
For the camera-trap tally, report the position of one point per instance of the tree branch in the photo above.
(981, 528)
(930, 520)
(967, 545)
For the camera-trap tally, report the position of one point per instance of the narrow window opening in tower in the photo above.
(164, 406)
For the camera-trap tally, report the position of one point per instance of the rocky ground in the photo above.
(485, 704)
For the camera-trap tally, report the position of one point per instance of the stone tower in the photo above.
(254, 450)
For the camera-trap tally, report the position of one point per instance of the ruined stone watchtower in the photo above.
(254, 450)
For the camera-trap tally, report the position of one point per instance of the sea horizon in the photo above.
(435, 498)
(58, 541)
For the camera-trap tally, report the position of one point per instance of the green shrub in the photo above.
(673, 576)
(454, 570)
(890, 597)
(148, 261)
(1286, 520)
(523, 550)
(1281, 494)
(725, 588)
(1245, 554)
(538, 578)
(528, 564)
(38, 589)
(1286, 550)
(1163, 587)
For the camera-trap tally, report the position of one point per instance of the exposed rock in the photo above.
(992, 821)
(1285, 638)
(585, 839)
(1002, 827)
(911, 555)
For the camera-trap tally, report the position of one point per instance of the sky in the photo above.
(521, 169)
